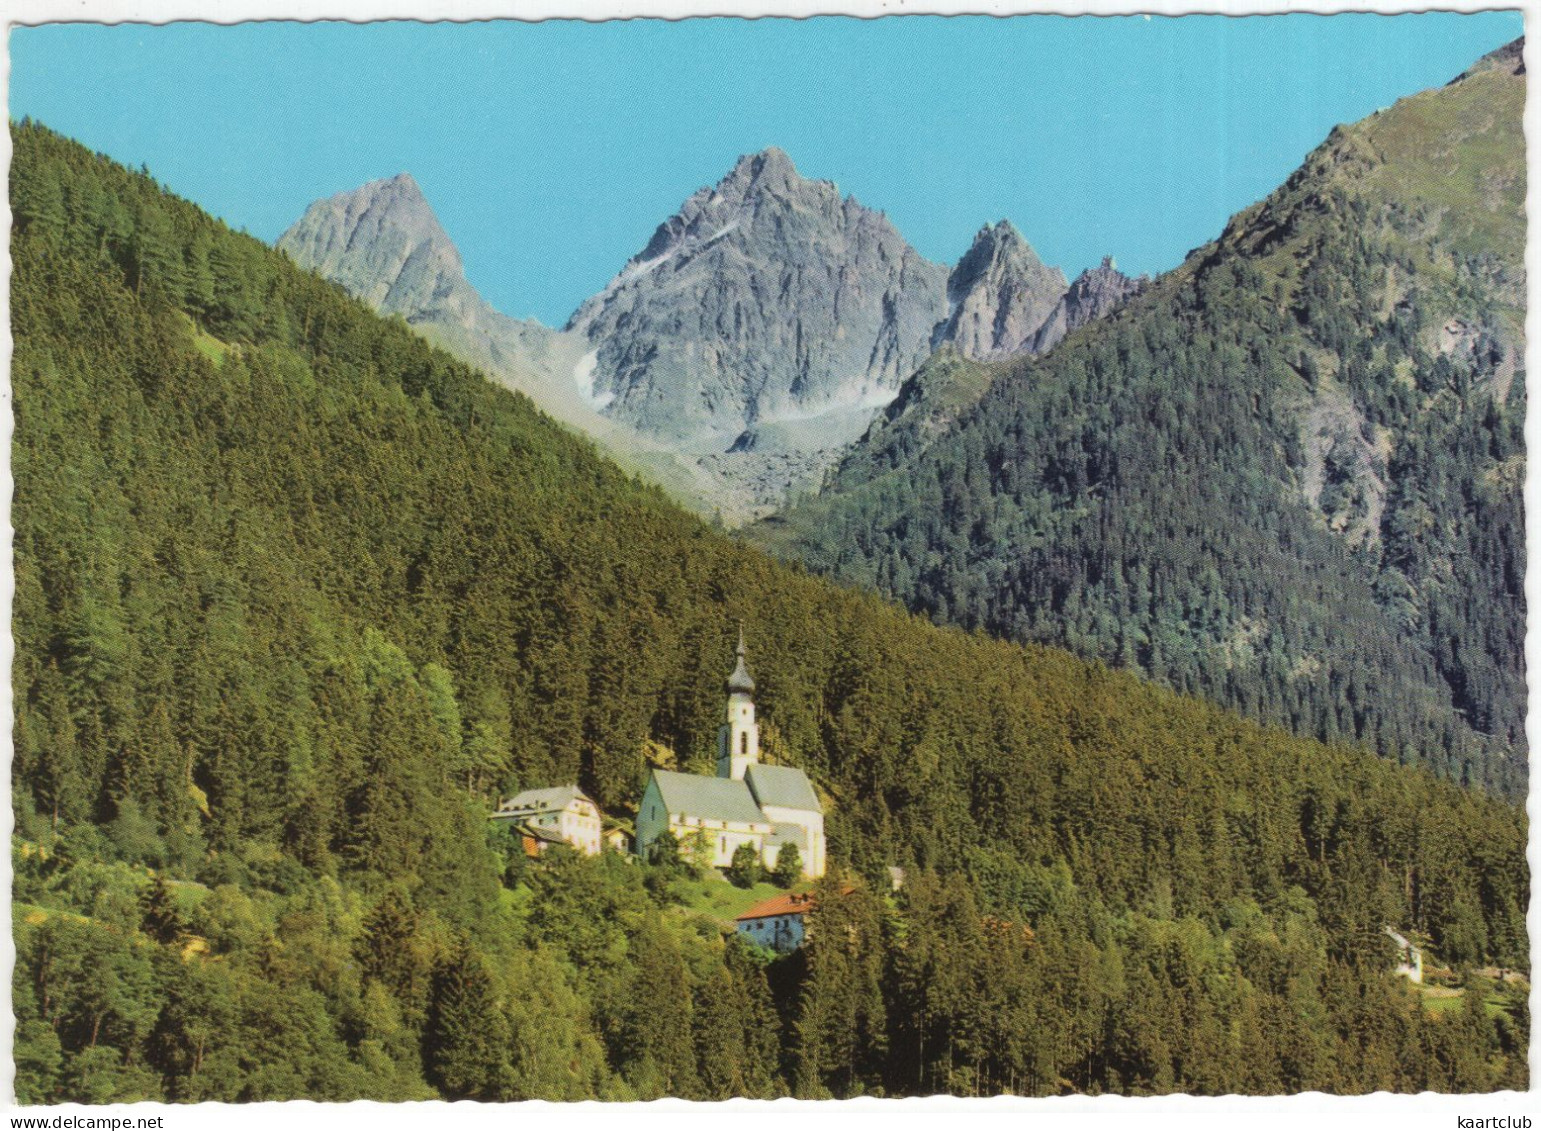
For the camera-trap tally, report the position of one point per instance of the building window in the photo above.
(743, 746)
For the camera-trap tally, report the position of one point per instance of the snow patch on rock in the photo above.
(583, 377)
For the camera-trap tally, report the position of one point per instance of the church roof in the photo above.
(786, 787)
(719, 799)
(739, 681)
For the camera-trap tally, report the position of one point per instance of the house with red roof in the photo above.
(777, 922)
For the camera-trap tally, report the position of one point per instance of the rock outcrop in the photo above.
(999, 296)
(385, 246)
(1003, 302)
(1095, 294)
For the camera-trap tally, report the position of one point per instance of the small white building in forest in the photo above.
(747, 802)
(1409, 957)
(562, 813)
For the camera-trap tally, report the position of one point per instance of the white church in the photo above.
(747, 802)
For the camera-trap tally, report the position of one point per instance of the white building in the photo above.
(746, 803)
(1409, 957)
(564, 812)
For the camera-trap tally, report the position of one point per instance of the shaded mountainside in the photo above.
(298, 596)
(1286, 477)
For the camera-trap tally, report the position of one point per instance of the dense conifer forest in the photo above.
(298, 598)
(1287, 478)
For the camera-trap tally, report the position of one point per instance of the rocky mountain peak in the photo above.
(996, 240)
(1096, 293)
(383, 244)
(764, 298)
(769, 170)
(998, 295)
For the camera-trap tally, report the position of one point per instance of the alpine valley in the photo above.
(1287, 480)
(1161, 703)
(1286, 477)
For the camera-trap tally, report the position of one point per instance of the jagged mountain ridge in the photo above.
(1286, 475)
(744, 349)
(1004, 303)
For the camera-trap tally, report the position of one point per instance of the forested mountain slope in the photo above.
(1287, 477)
(383, 244)
(297, 596)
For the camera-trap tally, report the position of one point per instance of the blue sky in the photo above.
(550, 151)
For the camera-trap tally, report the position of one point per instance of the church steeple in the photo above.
(740, 682)
(738, 742)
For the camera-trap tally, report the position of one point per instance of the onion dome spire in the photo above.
(739, 681)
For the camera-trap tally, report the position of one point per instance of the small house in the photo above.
(617, 840)
(562, 814)
(777, 922)
(534, 841)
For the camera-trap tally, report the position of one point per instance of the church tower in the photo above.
(738, 741)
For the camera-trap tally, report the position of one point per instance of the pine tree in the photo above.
(466, 1039)
(161, 920)
(789, 866)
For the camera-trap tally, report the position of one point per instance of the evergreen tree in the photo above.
(746, 870)
(465, 1041)
(789, 866)
(160, 921)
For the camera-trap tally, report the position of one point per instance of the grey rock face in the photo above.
(741, 352)
(384, 245)
(999, 295)
(1095, 294)
(766, 298)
